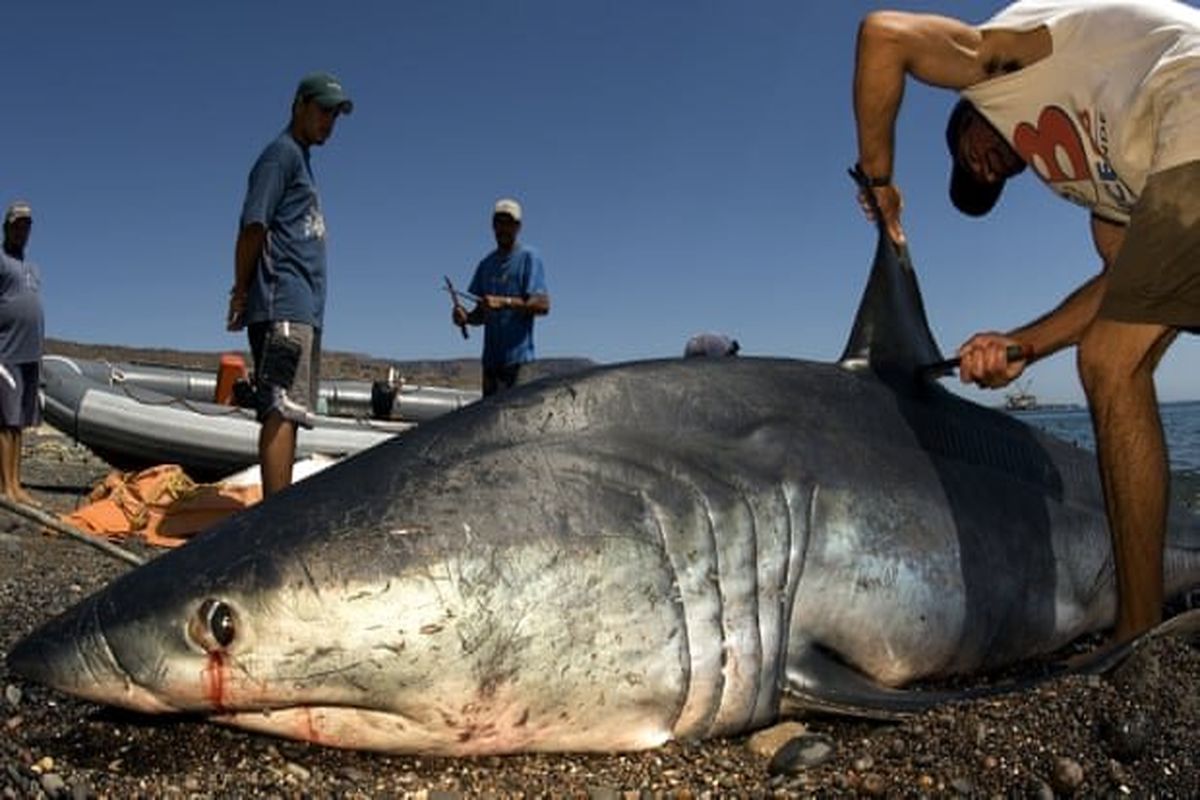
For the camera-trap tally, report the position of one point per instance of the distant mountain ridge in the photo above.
(460, 373)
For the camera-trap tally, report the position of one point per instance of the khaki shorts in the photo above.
(287, 369)
(1156, 277)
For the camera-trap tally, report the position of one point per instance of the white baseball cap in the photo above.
(18, 210)
(508, 206)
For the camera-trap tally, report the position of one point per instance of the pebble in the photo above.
(963, 787)
(52, 784)
(1067, 776)
(296, 771)
(1041, 790)
(863, 764)
(1125, 736)
(769, 741)
(803, 752)
(12, 695)
(873, 785)
(354, 775)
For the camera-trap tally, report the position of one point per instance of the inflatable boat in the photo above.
(134, 416)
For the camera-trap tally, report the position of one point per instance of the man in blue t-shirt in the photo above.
(510, 289)
(22, 334)
(279, 275)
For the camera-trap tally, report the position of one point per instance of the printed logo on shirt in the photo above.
(314, 224)
(1072, 158)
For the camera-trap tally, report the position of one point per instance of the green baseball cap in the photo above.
(326, 90)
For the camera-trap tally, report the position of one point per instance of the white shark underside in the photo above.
(608, 560)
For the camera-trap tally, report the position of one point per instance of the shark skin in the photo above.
(605, 561)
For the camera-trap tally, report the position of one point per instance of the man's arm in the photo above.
(246, 252)
(984, 361)
(535, 305)
(939, 51)
(936, 50)
(1064, 326)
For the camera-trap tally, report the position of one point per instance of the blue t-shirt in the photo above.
(289, 283)
(22, 325)
(508, 333)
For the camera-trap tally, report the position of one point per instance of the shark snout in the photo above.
(69, 653)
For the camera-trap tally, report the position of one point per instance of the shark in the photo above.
(634, 553)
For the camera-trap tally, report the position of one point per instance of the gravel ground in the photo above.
(1132, 734)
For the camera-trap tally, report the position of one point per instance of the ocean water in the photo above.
(1181, 425)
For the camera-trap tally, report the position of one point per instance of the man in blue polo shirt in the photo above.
(279, 275)
(510, 285)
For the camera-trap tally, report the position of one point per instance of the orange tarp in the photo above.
(161, 504)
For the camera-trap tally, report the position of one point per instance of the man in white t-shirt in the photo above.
(1101, 99)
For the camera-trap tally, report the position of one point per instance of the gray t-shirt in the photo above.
(22, 325)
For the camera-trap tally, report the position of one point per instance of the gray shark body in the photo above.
(608, 560)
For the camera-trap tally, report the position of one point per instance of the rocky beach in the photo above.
(1131, 733)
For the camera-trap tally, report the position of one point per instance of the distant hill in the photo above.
(459, 372)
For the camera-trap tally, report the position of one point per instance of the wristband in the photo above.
(869, 182)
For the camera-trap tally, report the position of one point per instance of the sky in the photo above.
(682, 166)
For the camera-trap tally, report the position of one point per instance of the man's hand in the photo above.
(459, 316)
(891, 203)
(985, 360)
(235, 318)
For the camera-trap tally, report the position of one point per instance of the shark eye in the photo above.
(214, 626)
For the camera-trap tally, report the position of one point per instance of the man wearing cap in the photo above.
(279, 275)
(1102, 99)
(510, 285)
(22, 332)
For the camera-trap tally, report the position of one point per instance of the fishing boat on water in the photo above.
(1021, 399)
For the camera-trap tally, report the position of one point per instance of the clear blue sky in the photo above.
(682, 165)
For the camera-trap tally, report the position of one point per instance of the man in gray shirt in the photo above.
(22, 332)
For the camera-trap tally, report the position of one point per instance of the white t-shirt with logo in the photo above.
(1117, 100)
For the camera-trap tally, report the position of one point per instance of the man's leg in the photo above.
(22, 495)
(10, 476)
(1116, 364)
(276, 452)
(286, 372)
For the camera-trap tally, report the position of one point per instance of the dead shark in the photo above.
(608, 560)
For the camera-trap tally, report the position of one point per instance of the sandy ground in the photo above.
(1132, 734)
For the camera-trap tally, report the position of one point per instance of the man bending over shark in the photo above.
(1102, 99)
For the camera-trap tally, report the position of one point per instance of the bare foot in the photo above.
(19, 495)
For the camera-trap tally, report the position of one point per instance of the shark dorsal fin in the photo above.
(891, 333)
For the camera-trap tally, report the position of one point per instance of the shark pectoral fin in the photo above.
(819, 682)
